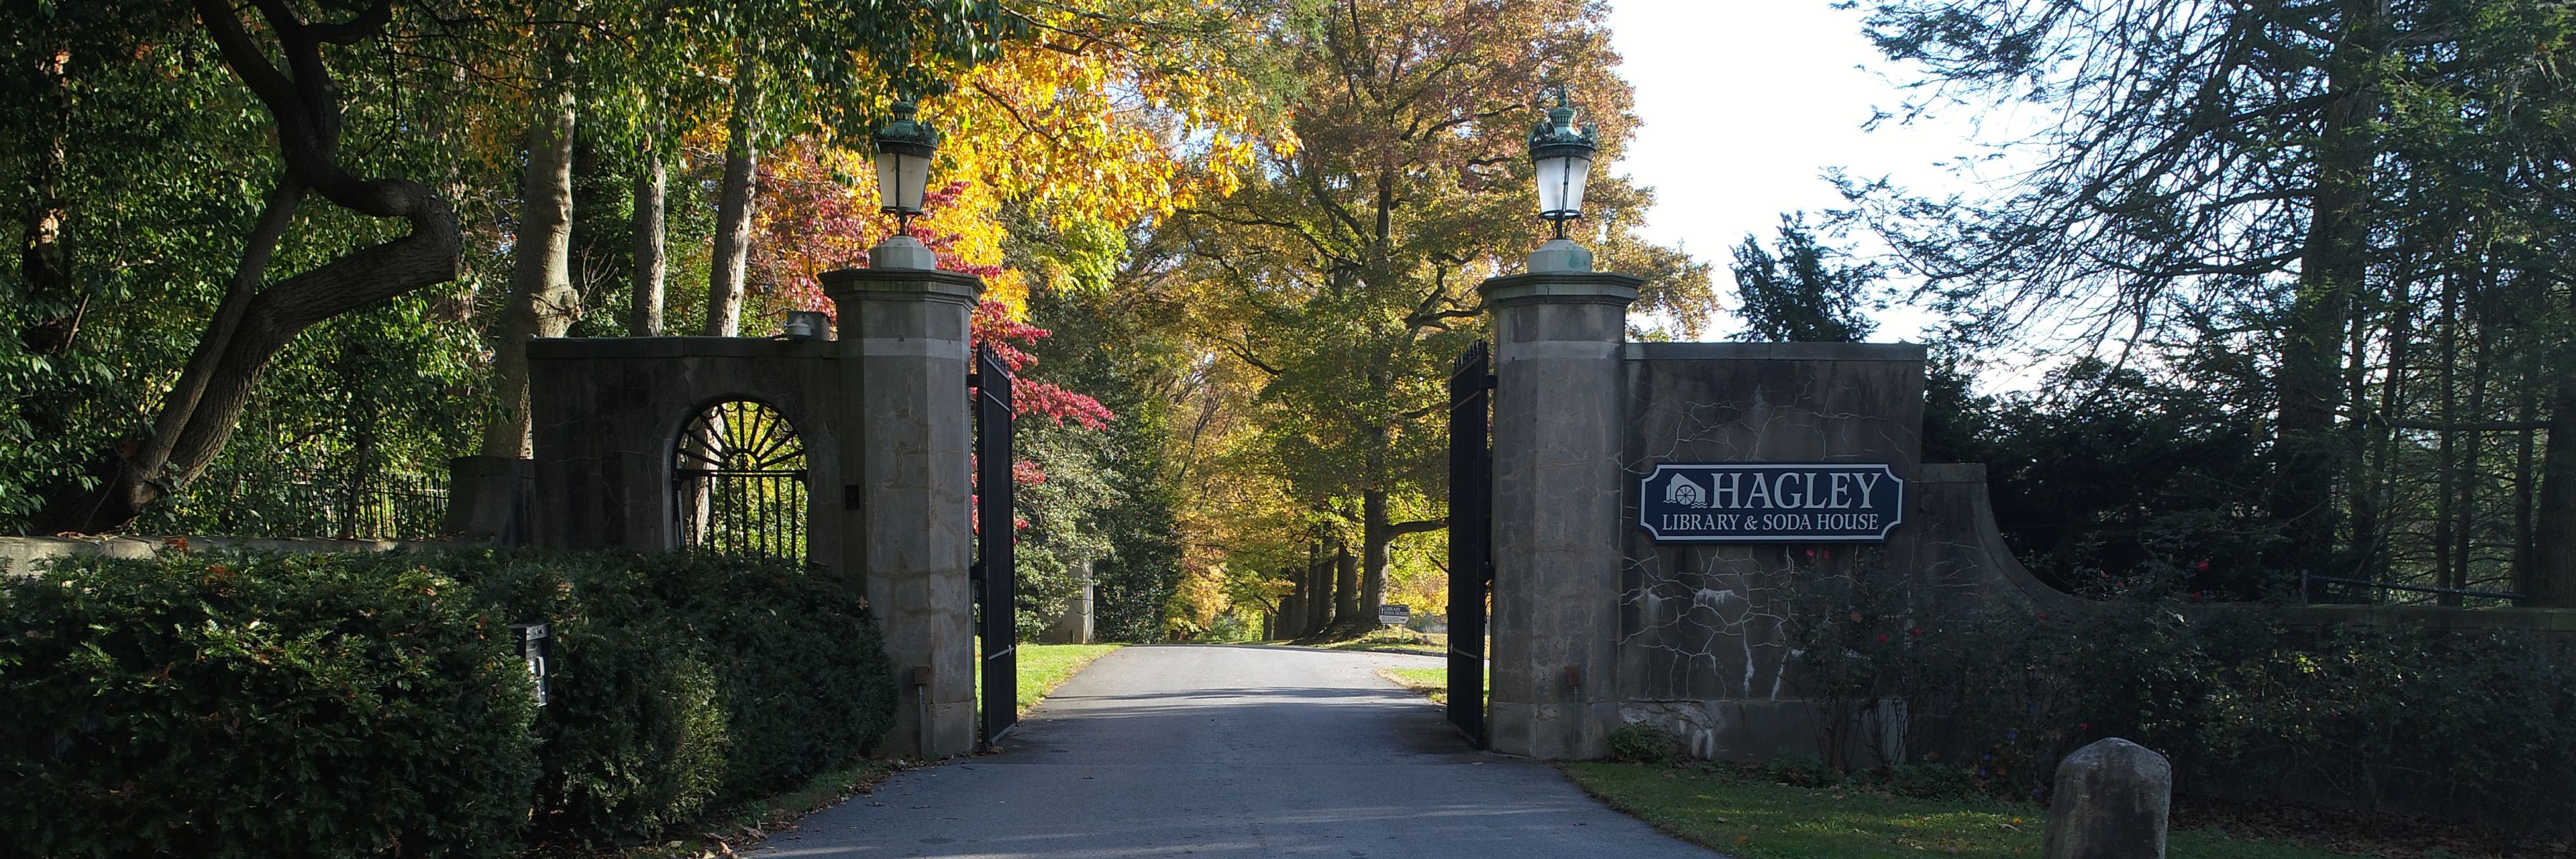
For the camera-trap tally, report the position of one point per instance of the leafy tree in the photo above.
(1343, 273)
(255, 318)
(792, 63)
(2325, 173)
(1118, 343)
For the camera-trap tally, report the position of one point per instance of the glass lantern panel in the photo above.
(901, 180)
(1560, 186)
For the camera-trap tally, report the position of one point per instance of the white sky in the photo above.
(1745, 104)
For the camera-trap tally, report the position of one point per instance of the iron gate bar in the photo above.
(996, 570)
(1471, 532)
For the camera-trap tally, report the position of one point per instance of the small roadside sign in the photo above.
(1394, 615)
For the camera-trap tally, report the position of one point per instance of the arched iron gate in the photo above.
(738, 482)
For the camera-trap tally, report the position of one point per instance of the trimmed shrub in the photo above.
(684, 682)
(258, 705)
(2471, 725)
(1642, 744)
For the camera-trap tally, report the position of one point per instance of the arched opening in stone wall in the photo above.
(738, 482)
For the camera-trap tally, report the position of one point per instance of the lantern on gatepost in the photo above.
(1563, 156)
(905, 147)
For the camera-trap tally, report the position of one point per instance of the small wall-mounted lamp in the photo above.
(806, 325)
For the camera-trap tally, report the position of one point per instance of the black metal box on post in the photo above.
(537, 646)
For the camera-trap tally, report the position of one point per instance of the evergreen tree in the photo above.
(1800, 292)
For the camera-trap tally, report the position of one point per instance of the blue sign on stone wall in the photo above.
(1770, 503)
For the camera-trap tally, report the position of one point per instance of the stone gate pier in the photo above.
(1600, 620)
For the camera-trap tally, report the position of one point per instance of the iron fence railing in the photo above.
(305, 502)
(754, 513)
(2322, 590)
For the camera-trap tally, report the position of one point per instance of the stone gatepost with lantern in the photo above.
(853, 440)
(1662, 513)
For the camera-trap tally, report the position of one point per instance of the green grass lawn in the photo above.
(1755, 818)
(1044, 667)
(1431, 682)
(1395, 641)
(1428, 681)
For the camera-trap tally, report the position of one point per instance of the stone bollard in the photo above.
(2112, 798)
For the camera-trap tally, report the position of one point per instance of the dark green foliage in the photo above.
(1121, 348)
(1800, 293)
(259, 706)
(2474, 724)
(1061, 514)
(1799, 768)
(2111, 478)
(1136, 583)
(1642, 744)
(685, 682)
(377, 705)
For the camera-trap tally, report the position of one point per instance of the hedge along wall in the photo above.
(2467, 714)
(373, 704)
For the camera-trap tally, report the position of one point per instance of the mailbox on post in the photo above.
(536, 646)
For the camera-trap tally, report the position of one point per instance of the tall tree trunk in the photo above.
(651, 186)
(733, 216)
(1292, 606)
(44, 255)
(2372, 509)
(542, 300)
(2472, 466)
(1302, 577)
(2525, 474)
(2445, 454)
(2361, 491)
(2551, 582)
(1346, 590)
(2332, 266)
(1374, 538)
(1319, 589)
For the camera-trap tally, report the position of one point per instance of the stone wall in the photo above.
(610, 417)
(23, 556)
(1704, 642)
(1704, 648)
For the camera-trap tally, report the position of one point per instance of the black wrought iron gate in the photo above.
(738, 482)
(995, 574)
(1471, 528)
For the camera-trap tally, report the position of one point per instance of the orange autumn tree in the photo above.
(1112, 114)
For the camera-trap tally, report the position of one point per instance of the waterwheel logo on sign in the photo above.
(1770, 503)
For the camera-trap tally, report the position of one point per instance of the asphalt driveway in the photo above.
(1230, 751)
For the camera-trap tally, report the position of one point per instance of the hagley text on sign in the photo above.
(1740, 502)
(1787, 490)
